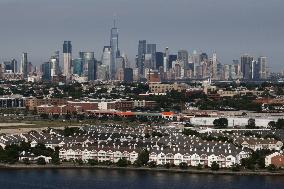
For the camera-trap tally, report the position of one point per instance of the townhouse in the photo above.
(114, 142)
(259, 143)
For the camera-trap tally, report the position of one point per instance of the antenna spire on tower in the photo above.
(114, 20)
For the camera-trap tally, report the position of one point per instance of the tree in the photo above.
(44, 116)
(248, 163)
(183, 165)
(220, 123)
(152, 164)
(215, 166)
(68, 116)
(41, 161)
(143, 157)
(167, 165)
(122, 162)
(10, 154)
(70, 131)
(137, 163)
(271, 167)
(272, 124)
(79, 161)
(93, 162)
(55, 116)
(26, 161)
(279, 124)
(107, 163)
(40, 149)
(251, 124)
(199, 166)
(55, 157)
(190, 132)
(236, 167)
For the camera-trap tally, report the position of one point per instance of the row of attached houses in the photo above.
(160, 156)
(194, 158)
(260, 143)
(99, 154)
(114, 142)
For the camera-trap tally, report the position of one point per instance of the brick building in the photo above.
(276, 159)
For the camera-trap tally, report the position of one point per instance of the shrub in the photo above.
(152, 164)
(183, 165)
(215, 166)
(41, 161)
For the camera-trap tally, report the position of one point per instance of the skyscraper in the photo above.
(141, 57)
(215, 67)
(114, 50)
(90, 62)
(128, 75)
(57, 64)
(195, 59)
(14, 66)
(54, 64)
(159, 59)
(106, 59)
(46, 71)
(102, 72)
(24, 65)
(255, 70)
(183, 58)
(246, 66)
(237, 69)
(78, 66)
(67, 58)
(263, 71)
(53, 67)
(172, 58)
(166, 59)
(203, 57)
(7, 66)
(151, 50)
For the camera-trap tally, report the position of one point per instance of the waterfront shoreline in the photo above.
(171, 170)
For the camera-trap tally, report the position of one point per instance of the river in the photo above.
(128, 179)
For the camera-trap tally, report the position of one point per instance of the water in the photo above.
(121, 179)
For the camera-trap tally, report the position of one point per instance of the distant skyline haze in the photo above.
(228, 27)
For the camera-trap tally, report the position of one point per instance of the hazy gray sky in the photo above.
(228, 27)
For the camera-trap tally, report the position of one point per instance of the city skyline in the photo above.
(259, 34)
